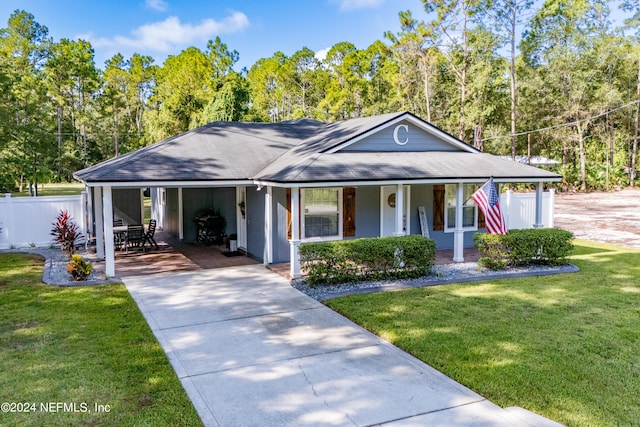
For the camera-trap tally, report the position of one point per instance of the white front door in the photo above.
(241, 199)
(388, 210)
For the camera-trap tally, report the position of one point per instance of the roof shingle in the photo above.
(297, 151)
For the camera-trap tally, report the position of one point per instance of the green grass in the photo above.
(71, 189)
(81, 345)
(564, 346)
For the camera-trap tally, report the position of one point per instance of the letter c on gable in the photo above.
(395, 135)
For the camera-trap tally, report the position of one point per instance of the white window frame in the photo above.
(303, 216)
(451, 190)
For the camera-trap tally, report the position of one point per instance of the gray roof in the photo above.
(436, 165)
(299, 151)
(217, 151)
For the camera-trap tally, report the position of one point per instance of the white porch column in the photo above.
(294, 243)
(538, 223)
(552, 207)
(506, 209)
(107, 213)
(240, 217)
(458, 233)
(142, 206)
(268, 229)
(399, 210)
(180, 215)
(84, 215)
(89, 212)
(97, 197)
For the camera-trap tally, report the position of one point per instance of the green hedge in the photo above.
(532, 246)
(367, 259)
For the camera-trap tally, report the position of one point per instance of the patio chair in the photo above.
(151, 231)
(134, 238)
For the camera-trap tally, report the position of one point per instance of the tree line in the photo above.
(561, 80)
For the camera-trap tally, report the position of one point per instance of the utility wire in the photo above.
(562, 125)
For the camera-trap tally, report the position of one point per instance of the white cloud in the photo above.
(159, 5)
(322, 53)
(357, 4)
(171, 34)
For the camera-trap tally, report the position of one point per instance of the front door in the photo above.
(388, 210)
(241, 199)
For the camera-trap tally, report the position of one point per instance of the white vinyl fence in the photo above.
(519, 209)
(27, 221)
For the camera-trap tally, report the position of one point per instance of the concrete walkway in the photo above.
(252, 351)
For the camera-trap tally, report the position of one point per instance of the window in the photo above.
(322, 213)
(469, 209)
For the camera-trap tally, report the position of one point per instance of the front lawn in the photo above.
(565, 346)
(65, 350)
(54, 189)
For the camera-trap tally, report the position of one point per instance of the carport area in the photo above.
(174, 255)
(251, 350)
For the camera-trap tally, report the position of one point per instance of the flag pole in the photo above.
(471, 196)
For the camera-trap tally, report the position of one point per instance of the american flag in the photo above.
(487, 200)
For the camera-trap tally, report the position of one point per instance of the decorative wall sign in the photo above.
(396, 137)
(391, 200)
(424, 225)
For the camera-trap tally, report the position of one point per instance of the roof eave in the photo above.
(168, 183)
(400, 181)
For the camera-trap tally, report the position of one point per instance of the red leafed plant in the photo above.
(65, 232)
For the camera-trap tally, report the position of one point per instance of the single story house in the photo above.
(280, 184)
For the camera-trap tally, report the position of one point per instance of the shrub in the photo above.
(79, 268)
(494, 252)
(367, 259)
(65, 232)
(532, 246)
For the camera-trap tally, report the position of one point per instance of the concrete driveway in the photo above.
(252, 351)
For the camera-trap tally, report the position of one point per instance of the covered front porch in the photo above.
(174, 255)
(270, 222)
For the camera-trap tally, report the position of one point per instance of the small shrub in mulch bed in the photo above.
(367, 259)
(532, 246)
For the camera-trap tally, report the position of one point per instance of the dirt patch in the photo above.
(612, 217)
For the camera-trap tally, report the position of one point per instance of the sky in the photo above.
(256, 29)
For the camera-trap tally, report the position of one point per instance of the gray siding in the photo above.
(224, 200)
(172, 212)
(418, 140)
(367, 219)
(422, 195)
(367, 212)
(280, 240)
(127, 205)
(255, 223)
(219, 199)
